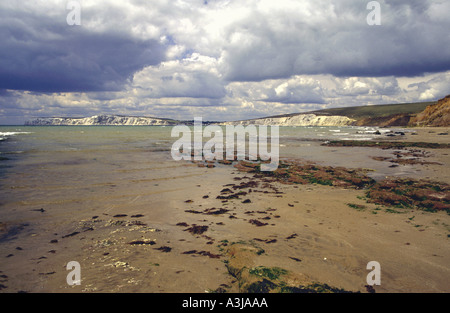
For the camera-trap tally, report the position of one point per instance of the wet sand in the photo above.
(147, 234)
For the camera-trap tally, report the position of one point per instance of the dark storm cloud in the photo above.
(241, 59)
(43, 53)
(334, 38)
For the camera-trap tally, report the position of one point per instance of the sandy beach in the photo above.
(216, 229)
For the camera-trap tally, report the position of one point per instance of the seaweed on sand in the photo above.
(385, 144)
(296, 173)
(410, 193)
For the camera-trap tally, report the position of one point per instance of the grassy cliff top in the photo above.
(377, 110)
(370, 111)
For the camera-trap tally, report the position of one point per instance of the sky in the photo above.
(218, 59)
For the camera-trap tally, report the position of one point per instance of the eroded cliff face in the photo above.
(399, 120)
(99, 120)
(298, 120)
(435, 115)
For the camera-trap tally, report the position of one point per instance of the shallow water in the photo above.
(81, 156)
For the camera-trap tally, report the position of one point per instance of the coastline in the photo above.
(192, 241)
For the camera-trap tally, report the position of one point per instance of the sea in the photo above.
(87, 154)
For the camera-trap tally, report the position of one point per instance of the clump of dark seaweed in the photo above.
(197, 229)
(386, 144)
(296, 173)
(411, 193)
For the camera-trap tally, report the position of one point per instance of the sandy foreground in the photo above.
(185, 239)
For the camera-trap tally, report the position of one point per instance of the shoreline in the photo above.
(192, 241)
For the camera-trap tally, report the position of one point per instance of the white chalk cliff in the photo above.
(298, 120)
(294, 120)
(99, 120)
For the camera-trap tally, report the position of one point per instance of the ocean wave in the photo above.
(341, 134)
(358, 138)
(7, 134)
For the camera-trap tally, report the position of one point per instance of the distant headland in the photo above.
(436, 113)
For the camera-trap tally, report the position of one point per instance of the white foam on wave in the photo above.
(357, 138)
(5, 134)
(341, 134)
